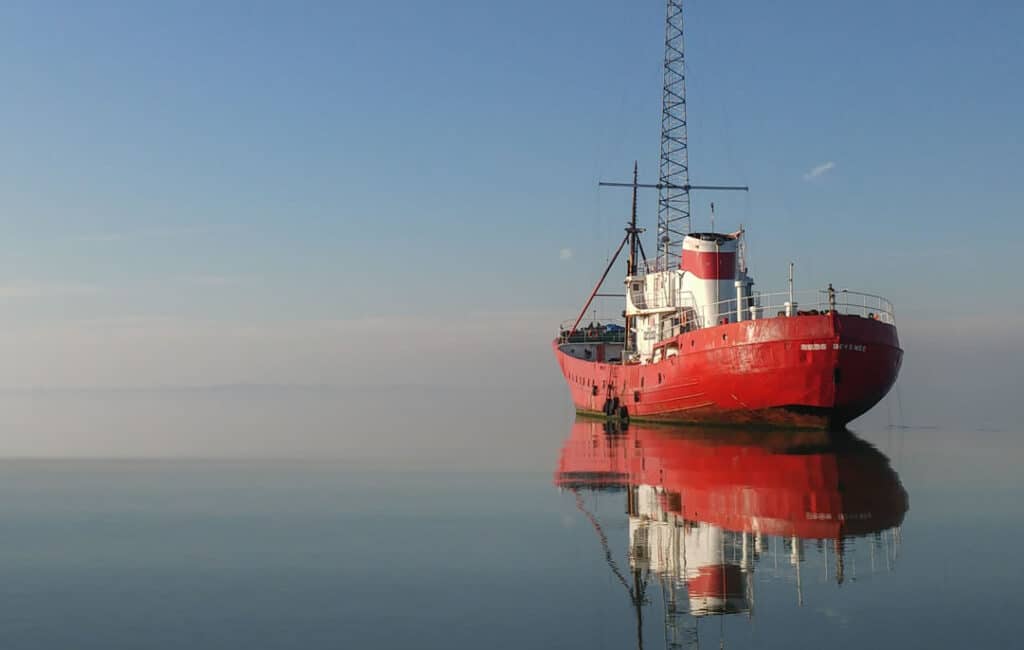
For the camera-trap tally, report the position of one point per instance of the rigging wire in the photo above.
(604, 543)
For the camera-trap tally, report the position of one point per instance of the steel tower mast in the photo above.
(674, 169)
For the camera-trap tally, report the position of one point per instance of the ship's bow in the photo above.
(866, 364)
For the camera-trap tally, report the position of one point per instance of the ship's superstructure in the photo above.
(708, 288)
(699, 343)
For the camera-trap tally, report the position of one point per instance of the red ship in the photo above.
(699, 344)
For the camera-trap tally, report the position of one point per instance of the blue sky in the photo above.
(187, 171)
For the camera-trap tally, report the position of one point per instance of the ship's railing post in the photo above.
(739, 301)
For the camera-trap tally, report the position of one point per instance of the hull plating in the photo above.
(817, 371)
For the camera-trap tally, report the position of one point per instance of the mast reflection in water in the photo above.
(708, 508)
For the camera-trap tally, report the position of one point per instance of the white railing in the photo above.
(593, 331)
(842, 301)
(766, 305)
(776, 304)
(852, 301)
(605, 316)
(821, 301)
(663, 299)
(593, 321)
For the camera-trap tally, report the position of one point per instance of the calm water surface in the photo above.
(604, 539)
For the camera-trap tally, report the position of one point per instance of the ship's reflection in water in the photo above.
(708, 509)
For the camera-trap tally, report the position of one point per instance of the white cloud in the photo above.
(823, 168)
(565, 254)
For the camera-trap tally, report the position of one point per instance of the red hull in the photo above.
(814, 371)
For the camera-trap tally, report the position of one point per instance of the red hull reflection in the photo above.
(702, 505)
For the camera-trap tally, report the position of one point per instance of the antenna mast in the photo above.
(674, 169)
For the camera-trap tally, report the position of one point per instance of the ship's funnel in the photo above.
(710, 255)
(709, 275)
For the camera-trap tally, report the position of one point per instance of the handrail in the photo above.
(588, 335)
(593, 330)
(843, 301)
(767, 305)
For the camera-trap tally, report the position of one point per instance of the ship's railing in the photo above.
(864, 304)
(765, 305)
(596, 330)
(661, 299)
(815, 301)
(690, 318)
(777, 304)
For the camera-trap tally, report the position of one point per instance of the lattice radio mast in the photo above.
(674, 169)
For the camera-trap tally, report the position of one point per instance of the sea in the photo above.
(431, 517)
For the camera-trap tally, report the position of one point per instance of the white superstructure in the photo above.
(710, 287)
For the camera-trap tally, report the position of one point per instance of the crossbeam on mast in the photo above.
(687, 188)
